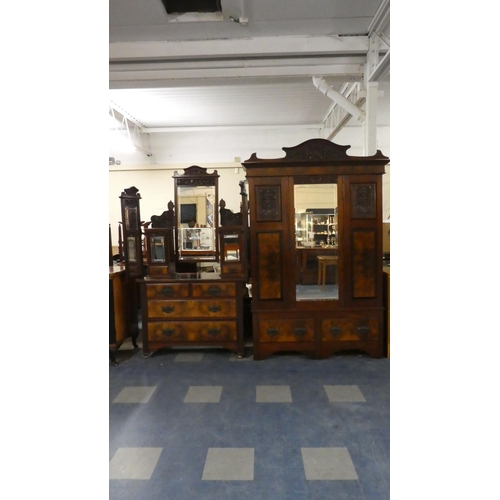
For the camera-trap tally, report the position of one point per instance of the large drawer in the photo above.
(294, 330)
(167, 291)
(192, 308)
(192, 331)
(350, 329)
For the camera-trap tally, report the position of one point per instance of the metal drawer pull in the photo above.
(335, 330)
(167, 291)
(300, 331)
(214, 331)
(213, 290)
(167, 309)
(363, 330)
(272, 332)
(168, 331)
(214, 309)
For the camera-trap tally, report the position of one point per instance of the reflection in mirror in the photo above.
(231, 246)
(131, 249)
(157, 249)
(316, 241)
(196, 231)
(131, 220)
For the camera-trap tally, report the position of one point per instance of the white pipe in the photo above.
(337, 97)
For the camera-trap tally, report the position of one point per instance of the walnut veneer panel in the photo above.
(350, 329)
(214, 290)
(277, 330)
(364, 263)
(192, 331)
(192, 308)
(269, 251)
(176, 290)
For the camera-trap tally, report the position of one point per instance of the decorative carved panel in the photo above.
(363, 201)
(268, 200)
(269, 252)
(364, 263)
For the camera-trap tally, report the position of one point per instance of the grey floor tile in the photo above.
(229, 464)
(328, 464)
(203, 394)
(273, 394)
(134, 463)
(188, 357)
(344, 394)
(134, 395)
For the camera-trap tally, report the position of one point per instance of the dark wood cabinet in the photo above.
(292, 311)
(192, 293)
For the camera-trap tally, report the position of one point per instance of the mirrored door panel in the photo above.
(316, 241)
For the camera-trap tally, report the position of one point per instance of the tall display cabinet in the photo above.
(343, 308)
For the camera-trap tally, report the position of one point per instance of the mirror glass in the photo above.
(131, 249)
(316, 242)
(230, 247)
(158, 249)
(131, 219)
(196, 222)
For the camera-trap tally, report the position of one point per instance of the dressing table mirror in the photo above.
(196, 208)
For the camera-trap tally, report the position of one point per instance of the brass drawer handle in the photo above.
(214, 331)
(213, 290)
(168, 331)
(167, 309)
(335, 330)
(214, 309)
(363, 330)
(272, 331)
(167, 291)
(300, 331)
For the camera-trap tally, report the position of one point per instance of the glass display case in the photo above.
(316, 229)
(197, 239)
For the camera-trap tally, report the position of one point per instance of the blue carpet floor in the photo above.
(203, 424)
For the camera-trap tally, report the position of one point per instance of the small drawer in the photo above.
(184, 331)
(214, 290)
(275, 330)
(232, 268)
(167, 290)
(350, 329)
(158, 270)
(192, 308)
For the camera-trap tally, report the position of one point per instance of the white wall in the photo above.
(214, 150)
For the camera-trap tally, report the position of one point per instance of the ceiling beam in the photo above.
(246, 47)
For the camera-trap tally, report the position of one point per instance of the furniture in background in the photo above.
(122, 318)
(287, 314)
(323, 262)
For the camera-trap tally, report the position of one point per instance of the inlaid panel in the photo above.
(269, 251)
(364, 263)
(268, 203)
(363, 200)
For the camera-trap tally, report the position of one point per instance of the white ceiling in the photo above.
(166, 73)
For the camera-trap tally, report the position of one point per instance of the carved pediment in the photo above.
(316, 150)
(131, 191)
